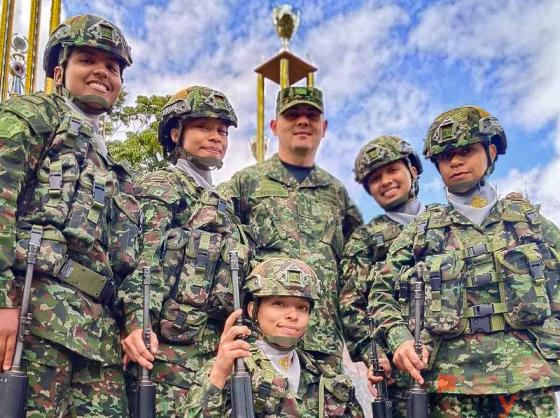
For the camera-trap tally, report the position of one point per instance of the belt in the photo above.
(99, 287)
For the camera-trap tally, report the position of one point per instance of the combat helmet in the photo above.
(385, 150)
(463, 126)
(281, 277)
(81, 31)
(193, 102)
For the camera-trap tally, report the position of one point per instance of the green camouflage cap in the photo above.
(292, 96)
(85, 30)
(464, 126)
(193, 102)
(283, 277)
(381, 151)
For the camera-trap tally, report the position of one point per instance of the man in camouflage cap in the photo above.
(62, 192)
(492, 284)
(388, 168)
(193, 131)
(281, 294)
(295, 209)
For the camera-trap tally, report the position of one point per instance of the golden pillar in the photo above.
(6, 28)
(54, 22)
(32, 48)
(284, 69)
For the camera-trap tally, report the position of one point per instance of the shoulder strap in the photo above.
(39, 111)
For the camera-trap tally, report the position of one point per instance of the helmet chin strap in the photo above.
(205, 163)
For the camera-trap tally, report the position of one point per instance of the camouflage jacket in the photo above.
(52, 175)
(183, 319)
(206, 400)
(492, 298)
(367, 246)
(308, 221)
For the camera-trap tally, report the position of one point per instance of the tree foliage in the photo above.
(139, 123)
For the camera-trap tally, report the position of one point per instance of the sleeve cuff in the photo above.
(398, 335)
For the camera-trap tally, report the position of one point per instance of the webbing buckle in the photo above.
(74, 126)
(481, 324)
(484, 309)
(536, 269)
(201, 261)
(34, 243)
(98, 194)
(481, 279)
(264, 390)
(435, 280)
(476, 250)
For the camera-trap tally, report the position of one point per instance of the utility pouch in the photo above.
(51, 255)
(124, 244)
(445, 295)
(182, 324)
(524, 285)
(547, 338)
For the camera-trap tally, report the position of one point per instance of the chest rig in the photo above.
(84, 206)
(381, 234)
(325, 393)
(195, 260)
(506, 277)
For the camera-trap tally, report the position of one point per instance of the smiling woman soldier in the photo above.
(286, 381)
(61, 190)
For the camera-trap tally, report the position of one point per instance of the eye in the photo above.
(303, 308)
(223, 131)
(114, 68)
(278, 303)
(313, 116)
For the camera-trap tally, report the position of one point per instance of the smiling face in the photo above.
(390, 184)
(203, 137)
(462, 168)
(282, 316)
(91, 71)
(299, 129)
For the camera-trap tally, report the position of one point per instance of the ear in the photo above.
(325, 126)
(274, 126)
(57, 76)
(413, 172)
(250, 308)
(493, 151)
(175, 134)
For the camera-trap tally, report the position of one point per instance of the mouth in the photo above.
(459, 175)
(216, 151)
(98, 86)
(390, 191)
(289, 330)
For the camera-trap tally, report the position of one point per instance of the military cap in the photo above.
(292, 96)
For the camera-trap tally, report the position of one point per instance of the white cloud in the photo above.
(511, 49)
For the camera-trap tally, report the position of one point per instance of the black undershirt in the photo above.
(299, 172)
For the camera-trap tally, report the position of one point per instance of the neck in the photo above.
(297, 160)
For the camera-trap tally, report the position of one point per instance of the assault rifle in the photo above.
(417, 403)
(241, 391)
(13, 383)
(146, 390)
(381, 405)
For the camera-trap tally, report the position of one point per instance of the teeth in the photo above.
(98, 86)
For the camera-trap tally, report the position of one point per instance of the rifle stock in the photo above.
(418, 402)
(13, 382)
(241, 389)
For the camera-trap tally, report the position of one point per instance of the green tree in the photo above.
(139, 123)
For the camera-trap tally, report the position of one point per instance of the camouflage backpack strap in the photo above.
(431, 227)
(523, 217)
(383, 232)
(262, 393)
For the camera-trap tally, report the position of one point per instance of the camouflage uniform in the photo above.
(308, 221)
(492, 291)
(54, 177)
(271, 392)
(187, 328)
(366, 250)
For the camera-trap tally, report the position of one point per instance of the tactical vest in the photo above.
(381, 234)
(480, 283)
(195, 259)
(82, 201)
(328, 397)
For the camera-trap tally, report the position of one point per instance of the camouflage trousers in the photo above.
(65, 384)
(539, 403)
(172, 382)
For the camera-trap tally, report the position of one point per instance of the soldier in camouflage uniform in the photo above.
(388, 169)
(193, 131)
(492, 284)
(297, 210)
(59, 183)
(286, 381)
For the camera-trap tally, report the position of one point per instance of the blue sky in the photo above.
(385, 68)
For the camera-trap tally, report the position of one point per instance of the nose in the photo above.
(302, 119)
(456, 160)
(101, 71)
(291, 313)
(385, 179)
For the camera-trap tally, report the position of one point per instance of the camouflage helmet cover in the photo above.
(381, 151)
(283, 277)
(85, 30)
(463, 126)
(193, 102)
